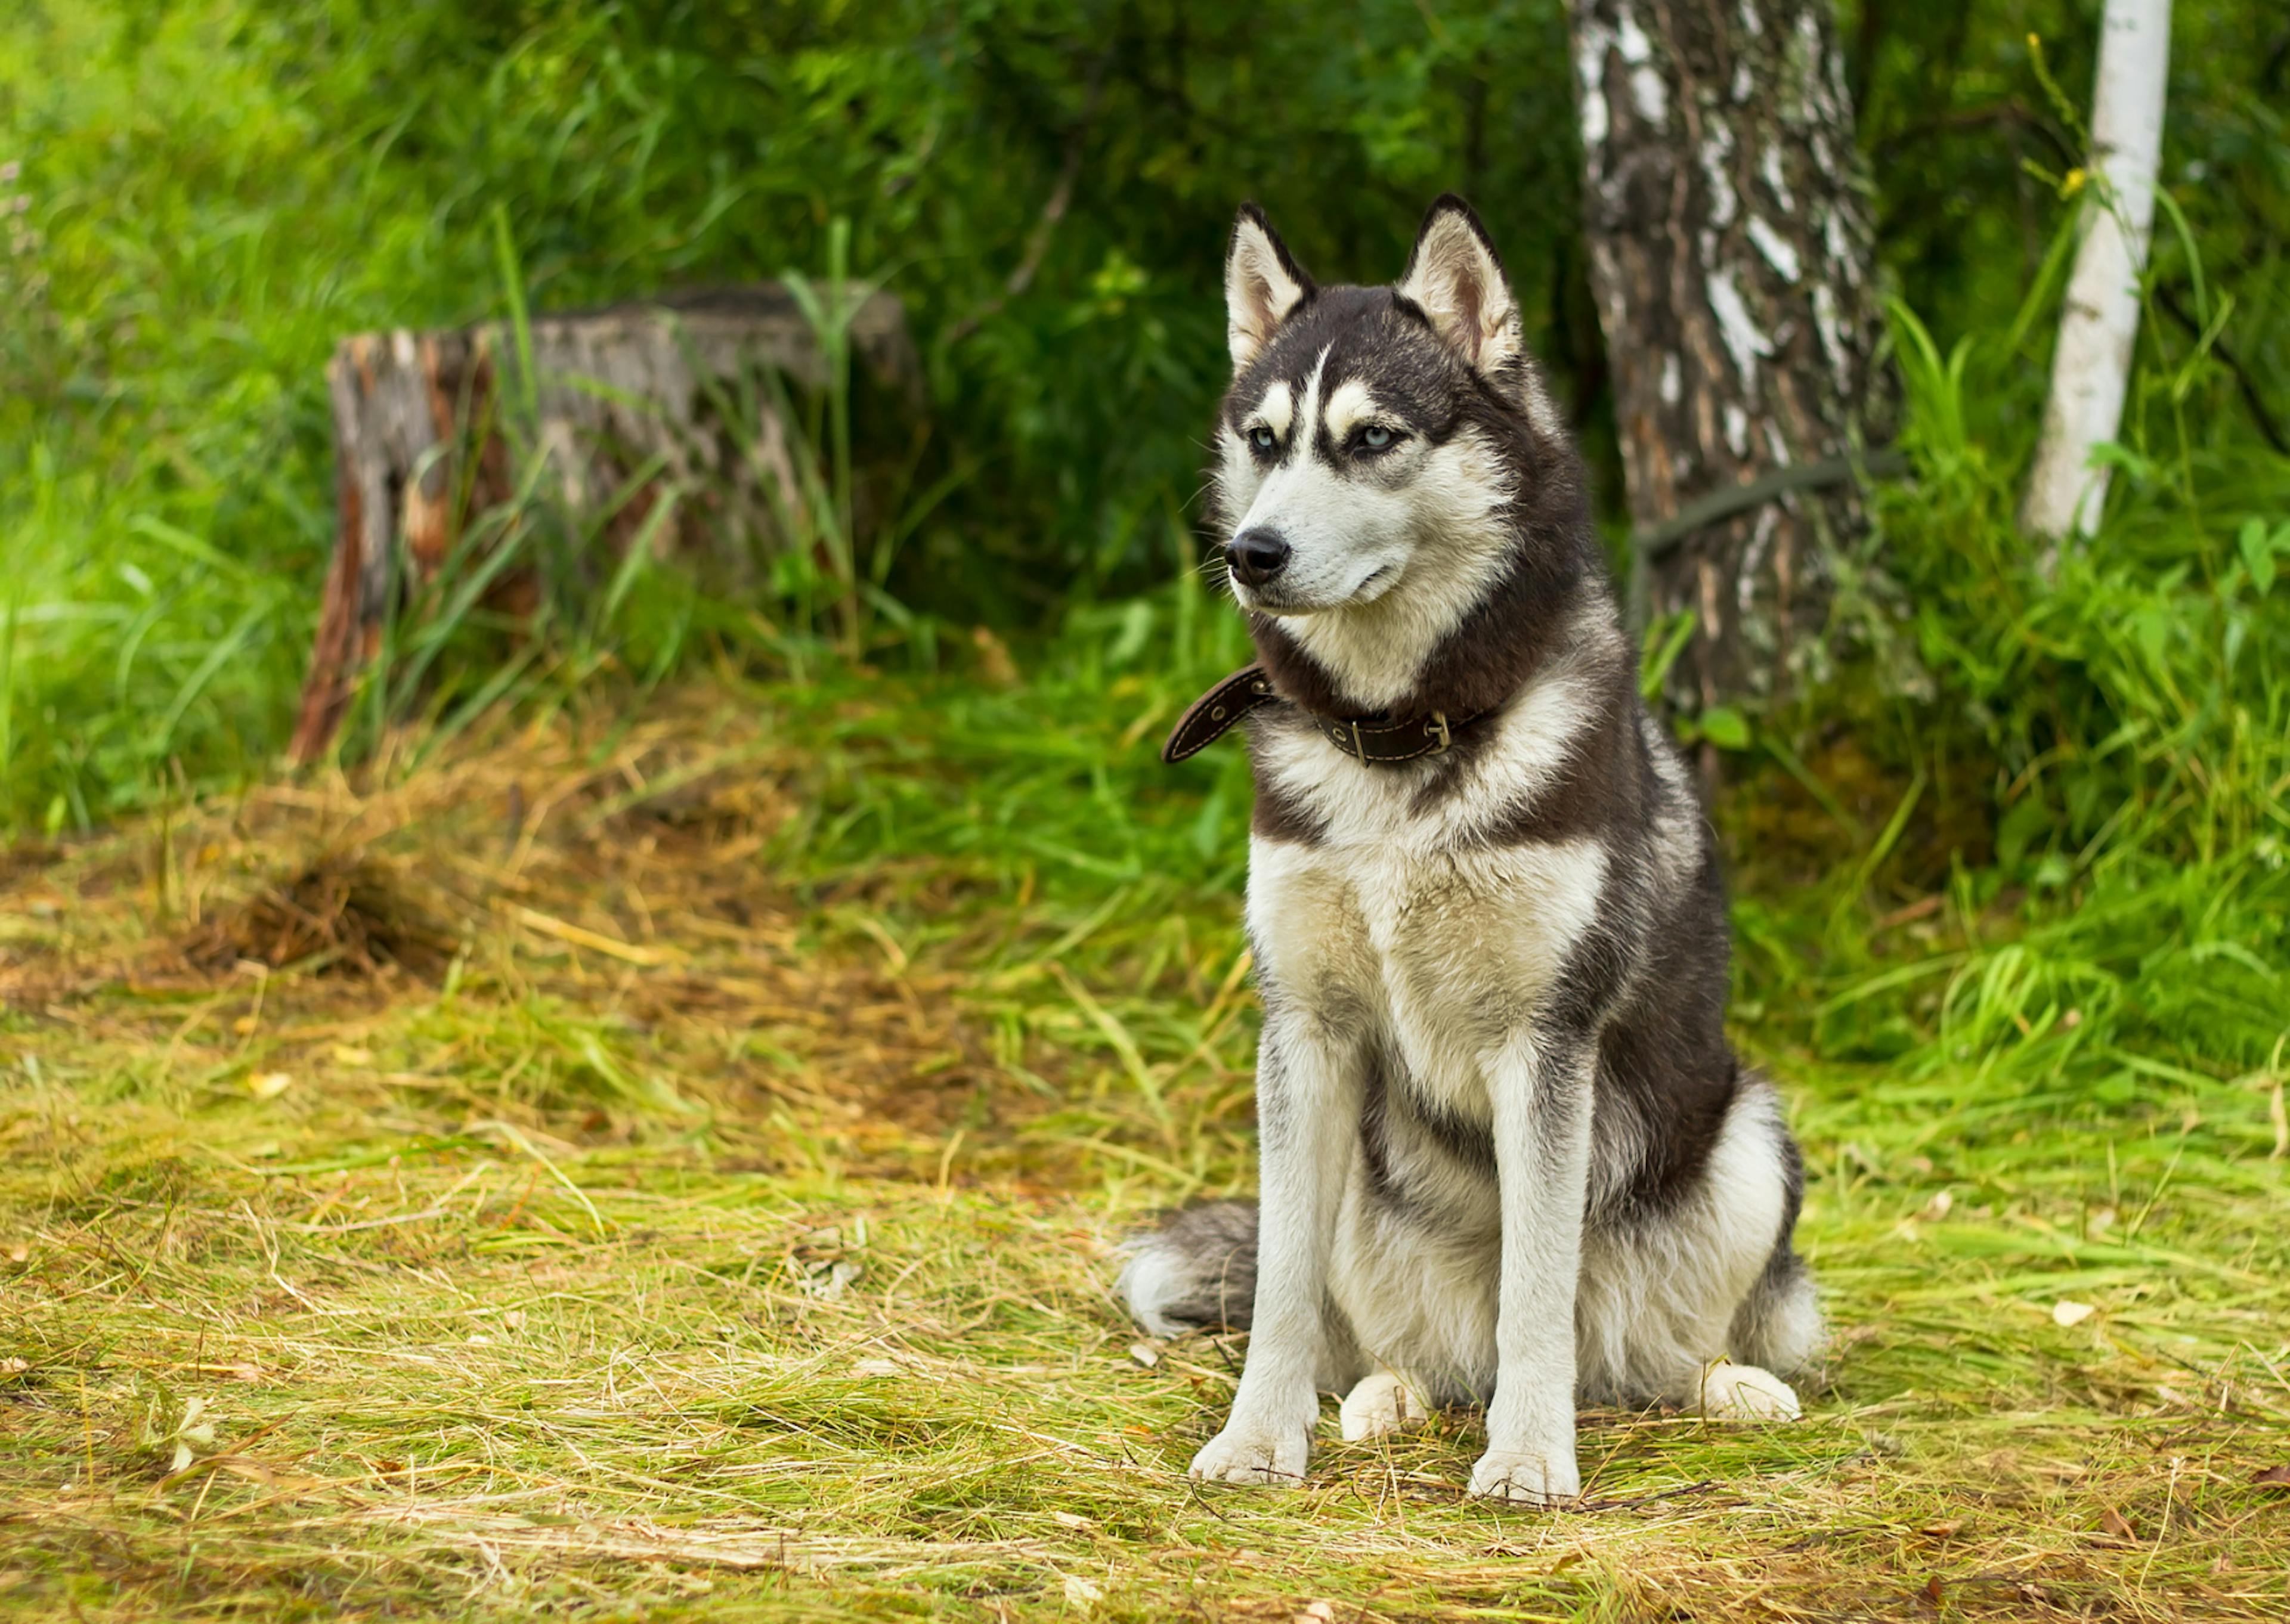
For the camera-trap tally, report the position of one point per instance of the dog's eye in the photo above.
(1263, 439)
(1375, 437)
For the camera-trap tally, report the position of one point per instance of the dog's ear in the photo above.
(1456, 279)
(1264, 285)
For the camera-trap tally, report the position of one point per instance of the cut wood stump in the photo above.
(631, 404)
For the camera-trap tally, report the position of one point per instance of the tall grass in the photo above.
(2126, 934)
(202, 238)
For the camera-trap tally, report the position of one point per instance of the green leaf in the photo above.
(2029, 818)
(2258, 554)
(1726, 727)
(1664, 640)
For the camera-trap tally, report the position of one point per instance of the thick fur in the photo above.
(1508, 1154)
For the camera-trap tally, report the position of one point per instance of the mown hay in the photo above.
(718, 1235)
(341, 916)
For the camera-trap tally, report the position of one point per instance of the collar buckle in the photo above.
(1437, 728)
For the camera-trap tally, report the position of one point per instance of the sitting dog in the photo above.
(1508, 1154)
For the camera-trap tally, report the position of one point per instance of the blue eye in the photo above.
(1375, 437)
(1263, 439)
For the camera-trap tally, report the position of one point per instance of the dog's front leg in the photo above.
(1540, 1089)
(1308, 1113)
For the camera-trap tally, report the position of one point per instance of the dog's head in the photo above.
(1373, 438)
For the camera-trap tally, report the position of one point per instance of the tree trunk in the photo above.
(2090, 368)
(1732, 259)
(617, 392)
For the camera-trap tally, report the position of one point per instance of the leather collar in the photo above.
(1374, 740)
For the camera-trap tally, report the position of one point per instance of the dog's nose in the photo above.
(1256, 556)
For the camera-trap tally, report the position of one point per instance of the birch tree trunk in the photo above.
(2090, 368)
(1732, 259)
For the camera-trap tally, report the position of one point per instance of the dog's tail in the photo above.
(1196, 1272)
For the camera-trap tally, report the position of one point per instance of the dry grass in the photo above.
(530, 1183)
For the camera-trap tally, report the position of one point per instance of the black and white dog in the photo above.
(1507, 1152)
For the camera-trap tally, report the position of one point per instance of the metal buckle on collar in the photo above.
(1439, 722)
(1359, 748)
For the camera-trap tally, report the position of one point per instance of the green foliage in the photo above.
(222, 189)
(213, 193)
(2129, 705)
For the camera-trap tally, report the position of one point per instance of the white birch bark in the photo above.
(2090, 368)
(1724, 201)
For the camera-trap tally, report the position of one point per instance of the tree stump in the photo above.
(634, 392)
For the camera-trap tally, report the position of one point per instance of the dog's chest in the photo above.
(1396, 921)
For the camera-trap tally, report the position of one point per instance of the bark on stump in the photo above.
(1732, 259)
(419, 448)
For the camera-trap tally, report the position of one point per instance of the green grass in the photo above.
(655, 1165)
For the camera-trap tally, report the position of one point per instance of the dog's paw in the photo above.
(1745, 1393)
(1249, 1455)
(1531, 1477)
(1380, 1404)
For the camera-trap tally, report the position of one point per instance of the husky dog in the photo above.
(1508, 1156)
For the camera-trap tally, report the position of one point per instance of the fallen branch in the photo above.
(1720, 505)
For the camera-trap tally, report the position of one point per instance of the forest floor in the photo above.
(521, 1188)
